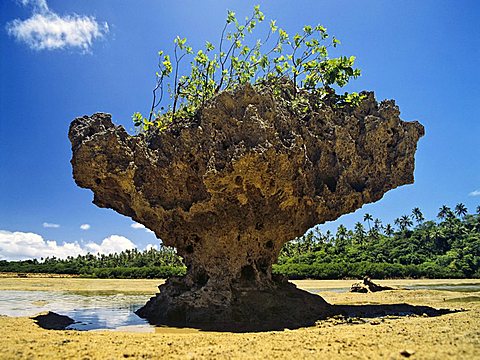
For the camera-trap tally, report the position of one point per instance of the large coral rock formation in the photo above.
(228, 188)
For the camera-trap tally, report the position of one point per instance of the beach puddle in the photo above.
(473, 287)
(112, 311)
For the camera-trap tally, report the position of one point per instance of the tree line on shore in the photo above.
(412, 247)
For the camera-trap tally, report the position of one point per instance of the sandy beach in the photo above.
(455, 335)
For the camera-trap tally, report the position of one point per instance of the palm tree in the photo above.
(478, 210)
(417, 214)
(307, 242)
(377, 224)
(397, 222)
(341, 236)
(404, 222)
(328, 237)
(461, 210)
(341, 231)
(444, 212)
(360, 231)
(389, 230)
(367, 217)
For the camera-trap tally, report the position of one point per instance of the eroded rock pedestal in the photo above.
(228, 188)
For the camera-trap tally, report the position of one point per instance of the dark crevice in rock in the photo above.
(358, 186)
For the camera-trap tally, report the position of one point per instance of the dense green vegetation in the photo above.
(412, 247)
(148, 264)
(240, 58)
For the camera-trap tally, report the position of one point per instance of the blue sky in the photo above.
(423, 54)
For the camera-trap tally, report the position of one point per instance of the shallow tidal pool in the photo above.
(115, 310)
(91, 311)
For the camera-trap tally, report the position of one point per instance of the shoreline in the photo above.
(151, 285)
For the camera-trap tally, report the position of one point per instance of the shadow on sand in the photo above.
(379, 311)
(347, 312)
(350, 313)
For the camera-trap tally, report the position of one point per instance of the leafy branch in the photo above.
(238, 59)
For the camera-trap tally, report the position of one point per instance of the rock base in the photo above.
(281, 306)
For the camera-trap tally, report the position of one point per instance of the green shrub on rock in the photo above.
(239, 58)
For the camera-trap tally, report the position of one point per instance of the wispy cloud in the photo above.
(137, 226)
(475, 193)
(38, 5)
(26, 245)
(46, 30)
(50, 225)
(85, 226)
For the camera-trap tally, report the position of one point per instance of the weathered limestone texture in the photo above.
(228, 188)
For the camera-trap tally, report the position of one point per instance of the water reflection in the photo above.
(474, 287)
(90, 311)
(104, 318)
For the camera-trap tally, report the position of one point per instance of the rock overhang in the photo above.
(230, 186)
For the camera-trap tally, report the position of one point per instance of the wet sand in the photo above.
(132, 286)
(455, 335)
(146, 286)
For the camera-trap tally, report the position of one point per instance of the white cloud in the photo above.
(152, 246)
(26, 245)
(137, 226)
(50, 225)
(110, 245)
(475, 193)
(46, 30)
(39, 5)
(85, 226)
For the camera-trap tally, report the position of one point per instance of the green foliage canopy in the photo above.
(449, 248)
(239, 58)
